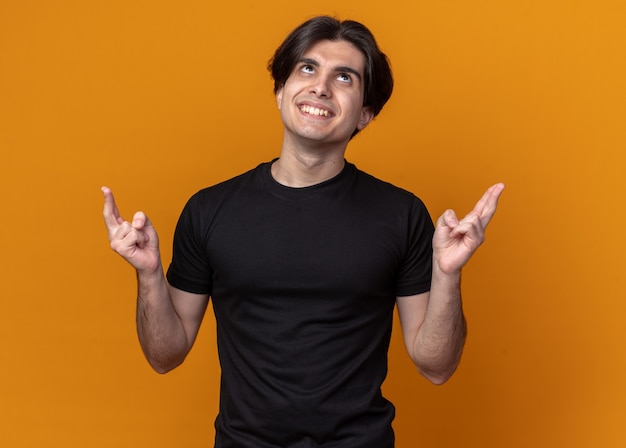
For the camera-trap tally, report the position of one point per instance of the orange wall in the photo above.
(158, 99)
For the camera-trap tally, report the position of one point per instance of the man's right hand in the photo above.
(137, 241)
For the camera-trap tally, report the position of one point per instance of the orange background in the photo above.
(158, 99)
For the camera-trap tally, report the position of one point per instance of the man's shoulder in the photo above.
(252, 175)
(208, 199)
(382, 186)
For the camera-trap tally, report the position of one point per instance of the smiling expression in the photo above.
(322, 100)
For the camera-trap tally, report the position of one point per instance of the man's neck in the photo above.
(300, 168)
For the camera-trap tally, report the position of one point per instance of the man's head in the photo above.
(378, 83)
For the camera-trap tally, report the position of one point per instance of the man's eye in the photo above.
(307, 69)
(344, 78)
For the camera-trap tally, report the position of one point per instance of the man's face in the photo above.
(322, 100)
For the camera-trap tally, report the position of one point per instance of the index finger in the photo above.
(110, 212)
(486, 206)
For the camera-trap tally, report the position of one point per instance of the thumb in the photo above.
(140, 220)
(448, 219)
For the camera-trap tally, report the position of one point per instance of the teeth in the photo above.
(315, 111)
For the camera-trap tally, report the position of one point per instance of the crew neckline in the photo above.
(287, 192)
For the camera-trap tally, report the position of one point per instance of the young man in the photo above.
(304, 259)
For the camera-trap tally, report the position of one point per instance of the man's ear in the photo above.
(367, 115)
(279, 96)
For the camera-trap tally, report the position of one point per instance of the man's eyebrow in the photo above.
(345, 69)
(309, 61)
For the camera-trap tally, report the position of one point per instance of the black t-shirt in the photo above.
(303, 284)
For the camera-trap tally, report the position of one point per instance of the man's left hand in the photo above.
(455, 241)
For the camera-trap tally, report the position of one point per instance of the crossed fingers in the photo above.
(486, 206)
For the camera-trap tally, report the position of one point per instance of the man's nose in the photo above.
(321, 87)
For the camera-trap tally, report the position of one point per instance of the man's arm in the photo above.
(433, 324)
(433, 327)
(168, 319)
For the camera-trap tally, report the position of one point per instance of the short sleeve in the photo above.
(190, 269)
(416, 271)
